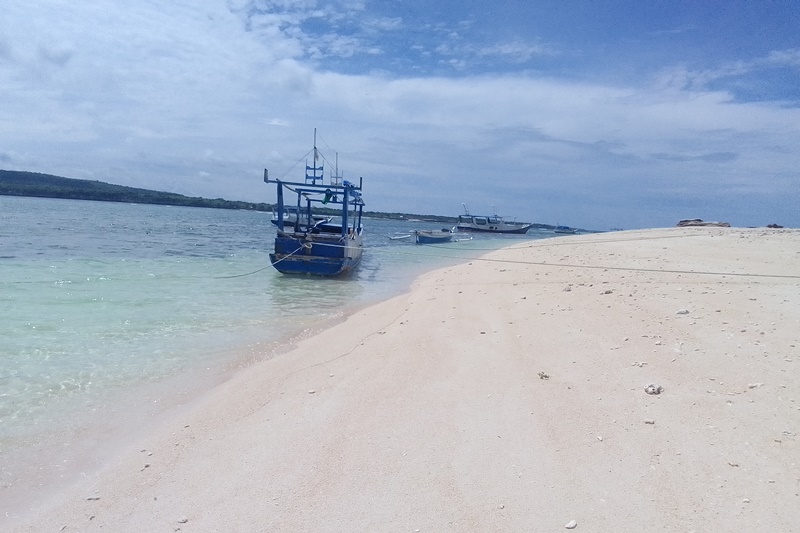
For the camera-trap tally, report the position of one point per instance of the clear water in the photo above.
(101, 302)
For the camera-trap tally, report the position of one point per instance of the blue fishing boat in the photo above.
(307, 243)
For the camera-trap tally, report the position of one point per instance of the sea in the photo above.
(111, 314)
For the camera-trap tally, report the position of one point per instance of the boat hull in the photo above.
(329, 257)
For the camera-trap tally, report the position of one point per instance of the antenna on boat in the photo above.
(336, 178)
(466, 209)
(313, 177)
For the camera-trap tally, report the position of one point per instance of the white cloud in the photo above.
(382, 24)
(517, 52)
(162, 95)
(683, 78)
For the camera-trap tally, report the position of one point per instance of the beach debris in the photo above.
(93, 498)
(567, 288)
(640, 364)
(543, 375)
(682, 312)
(572, 524)
(654, 389)
(600, 438)
(607, 291)
(649, 421)
(182, 520)
(754, 385)
(312, 391)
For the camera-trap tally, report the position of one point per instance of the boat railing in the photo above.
(346, 195)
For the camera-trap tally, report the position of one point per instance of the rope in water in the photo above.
(307, 245)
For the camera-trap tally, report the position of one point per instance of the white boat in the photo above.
(489, 223)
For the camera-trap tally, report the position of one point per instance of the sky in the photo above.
(593, 114)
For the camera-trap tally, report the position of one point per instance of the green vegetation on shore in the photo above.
(20, 183)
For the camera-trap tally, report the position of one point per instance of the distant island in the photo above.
(18, 183)
(21, 183)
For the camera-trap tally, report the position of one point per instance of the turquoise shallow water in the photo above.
(99, 301)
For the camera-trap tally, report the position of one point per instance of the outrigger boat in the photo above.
(565, 229)
(422, 236)
(307, 243)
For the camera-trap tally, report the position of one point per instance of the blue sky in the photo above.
(593, 114)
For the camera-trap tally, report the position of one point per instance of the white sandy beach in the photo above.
(506, 394)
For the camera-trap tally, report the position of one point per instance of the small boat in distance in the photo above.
(308, 243)
(433, 236)
(565, 229)
(489, 223)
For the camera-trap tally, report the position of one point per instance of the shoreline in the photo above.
(431, 411)
(77, 451)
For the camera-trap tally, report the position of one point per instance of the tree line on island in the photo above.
(21, 183)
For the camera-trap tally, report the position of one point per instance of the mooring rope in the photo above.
(517, 247)
(568, 265)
